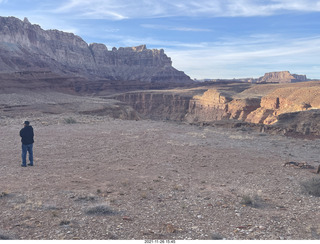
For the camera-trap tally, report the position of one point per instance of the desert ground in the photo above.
(99, 177)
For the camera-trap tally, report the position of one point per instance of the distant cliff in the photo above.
(27, 47)
(281, 77)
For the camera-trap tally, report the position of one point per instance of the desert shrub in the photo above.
(70, 120)
(246, 200)
(100, 210)
(5, 237)
(311, 186)
(86, 198)
(252, 201)
(4, 194)
(143, 195)
(65, 222)
(216, 236)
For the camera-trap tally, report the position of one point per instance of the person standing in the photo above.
(27, 135)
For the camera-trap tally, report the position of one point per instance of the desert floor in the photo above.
(102, 178)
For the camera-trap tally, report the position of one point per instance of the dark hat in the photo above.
(26, 122)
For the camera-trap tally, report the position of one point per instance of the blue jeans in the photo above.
(27, 148)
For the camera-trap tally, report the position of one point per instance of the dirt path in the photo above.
(154, 180)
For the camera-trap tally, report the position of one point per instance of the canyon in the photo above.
(278, 108)
(37, 60)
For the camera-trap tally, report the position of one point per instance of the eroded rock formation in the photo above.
(282, 103)
(286, 100)
(214, 105)
(27, 47)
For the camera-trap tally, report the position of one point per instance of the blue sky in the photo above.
(204, 38)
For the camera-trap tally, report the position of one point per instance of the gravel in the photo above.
(159, 180)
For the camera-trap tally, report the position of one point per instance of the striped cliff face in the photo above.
(24, 46)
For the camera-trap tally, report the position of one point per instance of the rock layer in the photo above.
(27, 47)
(282, 104)
(214, 105)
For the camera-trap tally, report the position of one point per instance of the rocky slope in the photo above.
(27, 47)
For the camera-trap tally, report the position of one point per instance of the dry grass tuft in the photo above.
(100, 210)
(252, 201)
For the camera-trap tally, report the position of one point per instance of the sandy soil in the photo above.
(102, 178)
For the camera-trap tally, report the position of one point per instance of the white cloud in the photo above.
(236, 56)
(123, 9)
(109, 9)
(237, 59)
(175, 28)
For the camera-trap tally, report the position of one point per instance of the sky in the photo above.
(207, 39)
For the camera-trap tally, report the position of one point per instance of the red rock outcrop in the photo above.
(214, 105)
(286, 100)
(210, 106)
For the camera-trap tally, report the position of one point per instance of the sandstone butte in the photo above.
(281, 77)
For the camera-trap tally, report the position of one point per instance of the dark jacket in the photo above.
(26, 134)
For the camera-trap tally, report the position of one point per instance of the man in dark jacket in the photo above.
(27, 135)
